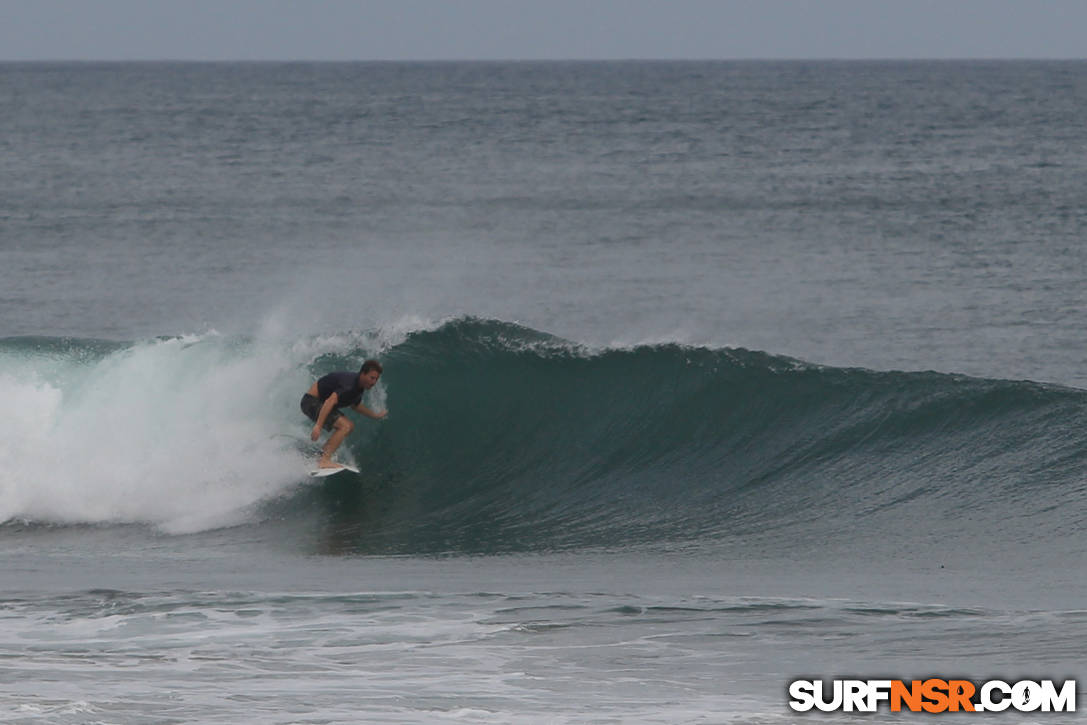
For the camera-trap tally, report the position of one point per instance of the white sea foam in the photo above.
(184, 434)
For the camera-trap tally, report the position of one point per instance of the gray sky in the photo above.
(551, 29)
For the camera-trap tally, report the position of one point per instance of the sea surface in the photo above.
(701, 377)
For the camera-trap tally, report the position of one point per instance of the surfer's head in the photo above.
(369, 373)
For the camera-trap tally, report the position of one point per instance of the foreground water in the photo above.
(228, 633)
(701, 377)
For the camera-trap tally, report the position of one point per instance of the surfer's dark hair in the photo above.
(371, 365)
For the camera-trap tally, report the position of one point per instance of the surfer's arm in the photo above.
(360, 408)
(329, 404)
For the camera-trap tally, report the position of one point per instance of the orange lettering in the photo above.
(935, 691)
(959, 694)
(910, 695)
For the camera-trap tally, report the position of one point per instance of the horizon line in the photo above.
(632, 59)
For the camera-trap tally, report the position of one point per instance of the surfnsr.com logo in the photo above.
(932, 695)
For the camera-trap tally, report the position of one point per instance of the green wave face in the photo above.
(503, 438)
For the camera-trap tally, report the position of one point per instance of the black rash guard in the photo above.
(344, 384)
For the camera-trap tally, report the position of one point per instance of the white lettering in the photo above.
(854, 696)
(821, 701)
(1026, 696)
(802, 693)
(1054, 701)
(879, 691)
(988, 704)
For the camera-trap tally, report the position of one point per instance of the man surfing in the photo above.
(332, 392)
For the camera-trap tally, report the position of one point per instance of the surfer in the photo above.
(332, 392)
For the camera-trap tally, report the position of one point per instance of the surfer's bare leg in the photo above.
(341, 429)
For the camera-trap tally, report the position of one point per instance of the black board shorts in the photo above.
(311, 406)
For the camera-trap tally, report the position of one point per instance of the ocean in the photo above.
(702, 377)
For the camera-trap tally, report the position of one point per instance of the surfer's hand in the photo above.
(382, 414)
(315, 433)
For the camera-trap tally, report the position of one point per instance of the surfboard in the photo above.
(324, 472)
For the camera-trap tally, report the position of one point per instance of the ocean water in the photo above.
(701, 378)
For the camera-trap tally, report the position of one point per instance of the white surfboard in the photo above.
(323, 472)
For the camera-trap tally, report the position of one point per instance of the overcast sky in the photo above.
(539, 29)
